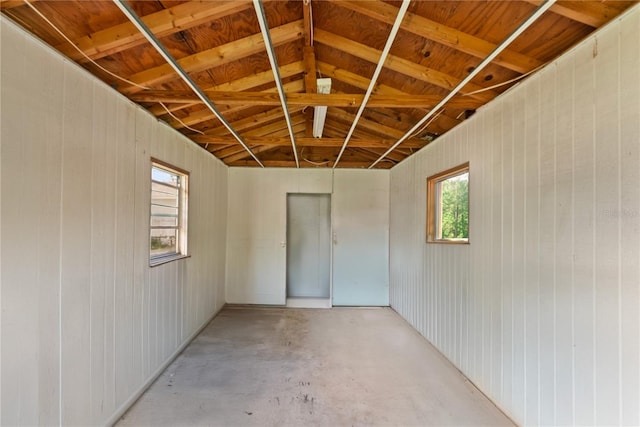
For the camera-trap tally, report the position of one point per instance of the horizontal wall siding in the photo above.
(85, 321)
(541, 309)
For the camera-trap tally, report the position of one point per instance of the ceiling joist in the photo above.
(163, 23)
(308, 142)
(443, 34)
(592, 13)
(400, 65)
(255, 87)
(235, 86)
(216, 56)
(270, 98)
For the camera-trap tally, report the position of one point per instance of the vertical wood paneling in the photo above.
(584, 241)
(256, 233)
(13, 301)
(607, 188)
(50, 95)
(360, 224)
(76, 249)
(547, 255)
(629, 211)
(30, 249)
(549, 287)
(564, 214)
(518, 255)
(100, 229)
(507, 284)
(85, 321)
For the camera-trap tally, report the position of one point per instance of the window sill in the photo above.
(449, 242)
(165, 259)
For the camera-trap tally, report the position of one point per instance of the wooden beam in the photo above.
(448, 120)
(231, 150)
(278, 129)
(310, 85)
(338, 129)
(10, 4)
(244, 83)
(592, 13)
(400, 65)
(162, 23)
(382, 143)
(260, 119)
(241, 155)
(309, 59)
(395, 155)
(440, 33)
(291, 163)
(205, 114)
(347, 117)
(270, 98)
(216, 56)
(355, 80)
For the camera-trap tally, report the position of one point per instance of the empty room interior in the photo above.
(319, 212)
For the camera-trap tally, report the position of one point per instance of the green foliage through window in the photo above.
(448, 206)
(454, 207)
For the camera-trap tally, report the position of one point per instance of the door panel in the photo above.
(308, 245)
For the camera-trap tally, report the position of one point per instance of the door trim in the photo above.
(294, 302)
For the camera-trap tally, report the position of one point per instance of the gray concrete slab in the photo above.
(311, 367)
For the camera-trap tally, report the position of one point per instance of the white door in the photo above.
(308, 245)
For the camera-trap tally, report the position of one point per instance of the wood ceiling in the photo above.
(221, 47)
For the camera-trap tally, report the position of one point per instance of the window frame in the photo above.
(432, 200)
(183, 213)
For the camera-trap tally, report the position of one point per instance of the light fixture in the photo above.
(320, 112)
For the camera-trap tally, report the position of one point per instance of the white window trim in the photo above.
(183, 215)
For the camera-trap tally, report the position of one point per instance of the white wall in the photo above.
(361, 243)
(85, 322)
(541, 310)
(256, 233)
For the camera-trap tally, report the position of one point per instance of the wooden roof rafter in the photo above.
(380, 64)
(220, 46)
(262, 20)
(164, 23)
(308, 141)
(401, 65)
(443, 34)
(238, 85)
(594, 14)
(216, 56)
(270, 98)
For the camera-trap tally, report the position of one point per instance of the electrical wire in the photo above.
(316, 163)
(80, 50)
(180, 121)
(112, 74)
(312, 162)
(515, 79)
(428, 123)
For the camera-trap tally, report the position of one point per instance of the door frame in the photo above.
(309, 302)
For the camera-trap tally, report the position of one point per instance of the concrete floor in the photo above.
(311, 367)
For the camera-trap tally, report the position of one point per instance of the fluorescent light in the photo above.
(320, 112)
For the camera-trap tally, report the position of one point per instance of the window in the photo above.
(448, 206)
(168, 221)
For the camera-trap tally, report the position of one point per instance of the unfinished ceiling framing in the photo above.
(239, 78)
